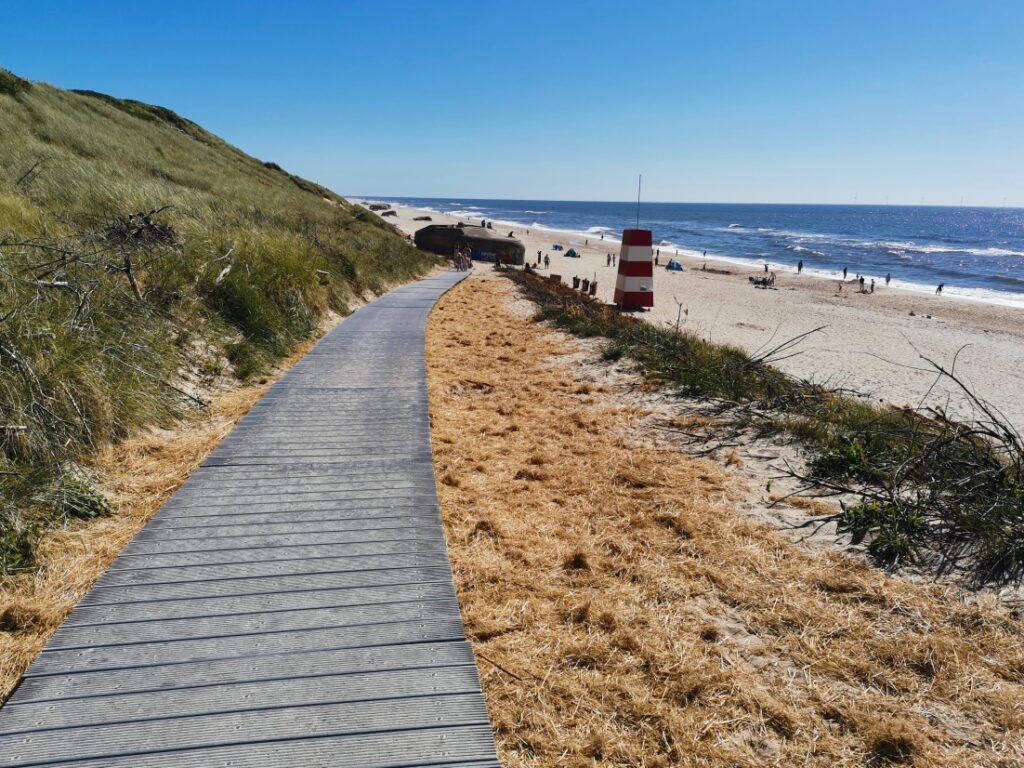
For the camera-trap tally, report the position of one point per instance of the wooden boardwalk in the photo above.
(292, 604)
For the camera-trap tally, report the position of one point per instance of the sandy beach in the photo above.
(871, 343)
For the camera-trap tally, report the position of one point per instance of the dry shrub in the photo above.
(628, 614)
(675, 523)
(485, 528)
(530, 474)
(893, 744)
(809, 505)
(577, 561)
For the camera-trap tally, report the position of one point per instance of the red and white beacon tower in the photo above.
(634, 285)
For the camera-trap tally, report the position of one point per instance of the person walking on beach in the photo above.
(938, 291)
(844, 273)
(656, 258)
(608, 260)
(766, 269)
(614, 258)
(800, 266)
(888, 277)
(872, 285)
(547, 261)
(860, 280)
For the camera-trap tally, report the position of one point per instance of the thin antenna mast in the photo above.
(639, 183)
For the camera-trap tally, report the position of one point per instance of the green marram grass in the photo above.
(101, 308)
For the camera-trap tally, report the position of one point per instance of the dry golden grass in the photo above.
(137, 476)
(624, 614)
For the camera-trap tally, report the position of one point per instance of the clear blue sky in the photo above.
(768, 101)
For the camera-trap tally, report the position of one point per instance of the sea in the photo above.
(976, 253)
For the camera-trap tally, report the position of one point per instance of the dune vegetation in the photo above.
(943, 495)
(625, 610)
(141, 258)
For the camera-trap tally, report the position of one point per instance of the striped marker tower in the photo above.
(634, 285)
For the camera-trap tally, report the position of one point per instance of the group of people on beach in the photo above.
(463, 258)
(862, 281)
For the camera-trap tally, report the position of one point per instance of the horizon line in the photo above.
(682, 202)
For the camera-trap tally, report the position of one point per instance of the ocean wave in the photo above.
(803, 249)
(1008, 280)
(1000, 252)
(983, 295)
(891, 246)
(897, 245)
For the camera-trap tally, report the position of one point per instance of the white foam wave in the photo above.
(899, 245)
(804, 249)
(890, 245)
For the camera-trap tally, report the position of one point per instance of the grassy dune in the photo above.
(141, 256)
